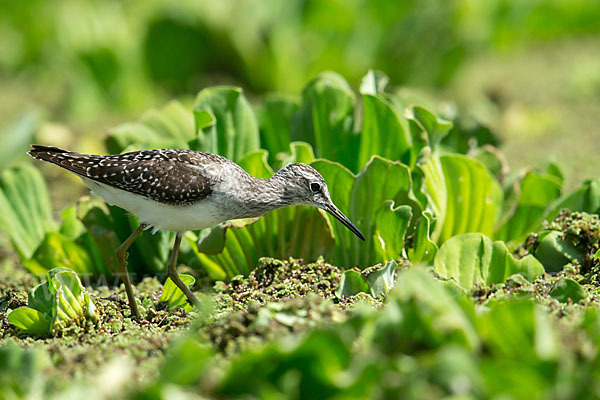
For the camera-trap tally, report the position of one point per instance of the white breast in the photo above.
(176, 218)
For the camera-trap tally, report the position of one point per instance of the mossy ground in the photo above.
(278, 298)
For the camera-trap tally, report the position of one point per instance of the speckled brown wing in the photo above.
(167, 176)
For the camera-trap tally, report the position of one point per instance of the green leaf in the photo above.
(585, 198)
(423, 249)
(225, 123)
(326, 119)
(25, 210)
(493, 159)
(554, 252)
(173, 296)
(59, 251)
(90, 308)
(384, 130)
(29, 320)
(299, 152)
(72, 291)
(381, 280)
(185, 361)
(42, 298)
(169, 127)
(352, 283)
(71, 226)
(427, 129)
(567, 288)
(464, 197)
(537, 191)
(422, 312)
(374, 83)
(473, 259)
(520, 331)
(275, 118)
(368, 201)
(391, 225)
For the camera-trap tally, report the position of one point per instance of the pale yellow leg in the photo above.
(172, 272)
(122, 261)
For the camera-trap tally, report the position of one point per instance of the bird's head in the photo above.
(304, 185)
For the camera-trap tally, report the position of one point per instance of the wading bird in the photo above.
(182, 190)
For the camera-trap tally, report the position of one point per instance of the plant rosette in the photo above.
(55, 305)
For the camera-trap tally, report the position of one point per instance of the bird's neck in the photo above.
(274, 192)
(258, 196)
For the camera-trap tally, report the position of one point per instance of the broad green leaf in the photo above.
(464, 196)
(361, 197)
(169, 127)
(427, 129)
(391, 225)
(173, 296)
(473, 259)
(422, 312)
(326, 119)
(554, 252)
(299, 152)
(384, 130)
(42, 298)
(493, 159)
(423, 249)
(29, 320)
(585, 198)
(275, 118)
(318, 361)
(185, 360)
(25, 210)
(71, 226)
(536, 193)
(381, 280)
(352, 283)
(225, 123)
(72, 291)
(90, 308)
(519, 330)
(100, 237)
(59, 251)
(567, 288)
(374, 83)
(556, 171)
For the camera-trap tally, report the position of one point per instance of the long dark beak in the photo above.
(333, 210)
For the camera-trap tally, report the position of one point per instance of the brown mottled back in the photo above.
(167, 175)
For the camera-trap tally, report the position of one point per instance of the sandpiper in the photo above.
(182, 190)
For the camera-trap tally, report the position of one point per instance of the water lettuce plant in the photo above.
(405, 174)
(54, 305)
(376, 281)
(473, 259)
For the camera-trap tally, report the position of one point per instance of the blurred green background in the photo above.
(530, 69)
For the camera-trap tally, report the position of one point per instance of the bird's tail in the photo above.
(69, 160)
(46, 153)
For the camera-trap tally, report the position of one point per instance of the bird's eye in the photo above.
(315, 187)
